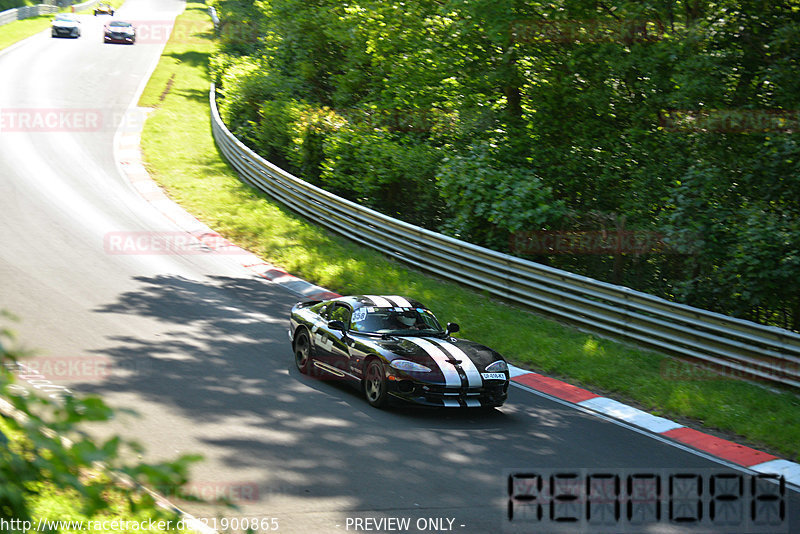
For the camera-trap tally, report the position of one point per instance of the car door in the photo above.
(331, 345)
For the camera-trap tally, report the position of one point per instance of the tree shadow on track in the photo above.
(220, 360)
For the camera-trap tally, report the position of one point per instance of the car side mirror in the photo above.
(452, 328)
(337, 325)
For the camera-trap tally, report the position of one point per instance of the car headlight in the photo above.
(497, 367)
(405, 365)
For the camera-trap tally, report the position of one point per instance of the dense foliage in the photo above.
(660, 135)
(11, 4)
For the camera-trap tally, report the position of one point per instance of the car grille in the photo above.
(486, 395)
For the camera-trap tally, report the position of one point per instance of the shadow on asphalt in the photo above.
(223, 357)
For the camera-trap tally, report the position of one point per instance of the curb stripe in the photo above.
(790, 470)
(554, 387)
(637, 417)
(733, 452)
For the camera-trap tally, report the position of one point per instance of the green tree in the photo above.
(675, 117)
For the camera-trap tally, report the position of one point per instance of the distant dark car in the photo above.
(66, 25)
(393, 347)
(118, 31)
(103, 9)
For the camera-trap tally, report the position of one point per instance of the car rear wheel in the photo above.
(375, 385)
(302, 351)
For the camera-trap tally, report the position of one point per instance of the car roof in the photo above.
(380, 301)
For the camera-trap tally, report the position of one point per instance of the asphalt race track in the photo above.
(197, 344)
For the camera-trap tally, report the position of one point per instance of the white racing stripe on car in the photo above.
(380, 302)
(473, 375)
(400, 301)
(449, 371)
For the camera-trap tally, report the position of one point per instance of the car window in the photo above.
(395, 321)
(340, 313)
(320, 309)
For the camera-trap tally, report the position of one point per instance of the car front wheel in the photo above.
(375, 385)
(302, 351)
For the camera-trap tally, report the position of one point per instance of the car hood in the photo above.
(444, 356)
(65, 24)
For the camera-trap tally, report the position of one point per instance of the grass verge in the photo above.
(16, 31)
(181, 155)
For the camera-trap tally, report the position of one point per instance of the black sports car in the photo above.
(118, 31)
(393, 347)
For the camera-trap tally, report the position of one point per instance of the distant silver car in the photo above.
(66, 25)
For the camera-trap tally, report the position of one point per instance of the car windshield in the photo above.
(395, 321)
(119, 24)
(66, 18)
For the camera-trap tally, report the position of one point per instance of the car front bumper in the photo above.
(493, 394)
(114, 38)
(65, 32)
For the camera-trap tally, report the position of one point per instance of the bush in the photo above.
(392, 176)
(11, 4)
(489, 202)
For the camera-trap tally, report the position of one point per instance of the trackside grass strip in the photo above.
(16, 31)
(181, 155)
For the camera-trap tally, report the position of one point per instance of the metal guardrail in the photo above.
(212, 12)
(733, 345)
(26, 12)
(8, 16)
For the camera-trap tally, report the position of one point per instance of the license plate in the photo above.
(493, 376)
